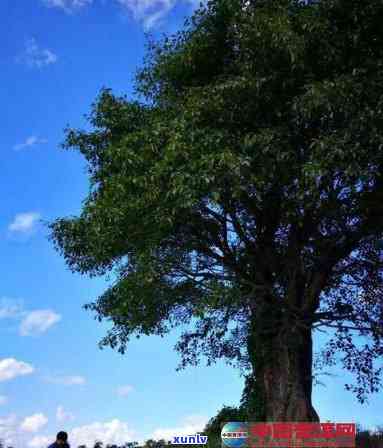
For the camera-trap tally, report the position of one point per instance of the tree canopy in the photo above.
(240, 190)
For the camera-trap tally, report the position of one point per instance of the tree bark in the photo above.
(281, 357)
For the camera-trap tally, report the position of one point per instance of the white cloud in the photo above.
(35, 56)
(11, 433)
(151, 12)
(68, 5)
(124, 391)
(10, 309)
(113, 432)
(62, 415)
(34, 422)
(11, 368)
(8, 429)
(71, 380)
(32, 322)
(29, 142)
(190, 425)
(40, 442)
(148, 12)
(3, 400)
(24, 222)
(38, 321)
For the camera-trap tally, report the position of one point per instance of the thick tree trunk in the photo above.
(281, 357)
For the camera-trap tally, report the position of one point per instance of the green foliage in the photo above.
(248, 172)
(364, 437)
(215, 424)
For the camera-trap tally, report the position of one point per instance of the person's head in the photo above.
(61, 438)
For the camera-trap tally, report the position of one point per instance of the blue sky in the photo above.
(55, 58)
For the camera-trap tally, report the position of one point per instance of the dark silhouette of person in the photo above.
(61, 441)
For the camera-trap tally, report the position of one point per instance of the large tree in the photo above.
(240, 192)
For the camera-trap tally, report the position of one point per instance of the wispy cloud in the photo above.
(68, 5)
(71, 380)
(11, 368)
(35, 56)
(33, 140)
(38, 321)
(3, 399)
(34, 423)
(62, 415)
(124, 391)
(148, 12)
(24, 222)
(33, 322)
(10, 308)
